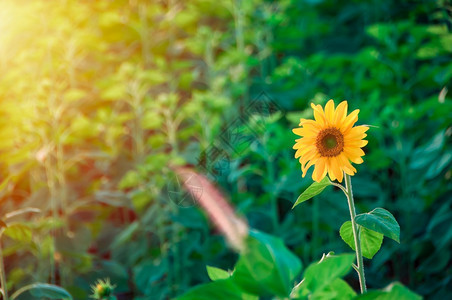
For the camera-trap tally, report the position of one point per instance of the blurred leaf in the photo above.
(74, 95)
(266, 266)
(217, 273)
(126, 235)
(39, 290)
(439, 165)
(18, 232)
(424, 155)
(131, 179)
(113, 92)
(148, 272)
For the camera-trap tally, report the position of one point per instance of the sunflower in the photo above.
(330, 142)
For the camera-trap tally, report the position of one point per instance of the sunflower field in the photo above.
(189, 149)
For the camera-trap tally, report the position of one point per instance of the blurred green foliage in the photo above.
(99, 98)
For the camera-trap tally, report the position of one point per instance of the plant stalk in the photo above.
(3, 273)
(359, 254)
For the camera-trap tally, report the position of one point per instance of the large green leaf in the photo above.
(394, 291)
(370, 240)
(266, 267)
(338, 289)
(382, 221)
(224, 289)
(318, 277)
(313, 190)
(42, 290)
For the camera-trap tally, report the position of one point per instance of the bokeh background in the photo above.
(100, 99)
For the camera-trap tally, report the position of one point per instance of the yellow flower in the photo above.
(330, 142)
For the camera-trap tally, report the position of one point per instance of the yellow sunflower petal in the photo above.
(357, 132)
(340, 114)
(298, 153)
(349, 121)
(304, 122)
(338, 168)
(354, 151)
(319, 115)
(329, 112)
(303, 150)
(356, 143)
(305, 168)
(330, 169)
(308, 156)
(346, 165)
(357, 160)
(354, 155)
(305, 131)
(320, 170)
(308, 141)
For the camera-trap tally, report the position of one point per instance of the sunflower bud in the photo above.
(103, 290)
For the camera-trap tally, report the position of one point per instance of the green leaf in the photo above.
(18, 232)
(40, 290)
(318, 277)
(217, 273)
(338, 289)
(266, 267)
(147, 272)
(438, 165)
(126, 235)
(382, 221)
(313, 190)
(222, 290)
(426, 154)
(370, 240)
(395, 291)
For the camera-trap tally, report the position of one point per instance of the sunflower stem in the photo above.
(359, 254)
(339, 186)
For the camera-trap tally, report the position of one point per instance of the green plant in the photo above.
(21, 233)
(266, 268)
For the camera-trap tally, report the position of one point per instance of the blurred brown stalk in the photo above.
(217, 207)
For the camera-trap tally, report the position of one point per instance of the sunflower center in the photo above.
(330, 142)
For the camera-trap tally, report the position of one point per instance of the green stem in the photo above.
(273, 197)
(3, 273)
(359, 254)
